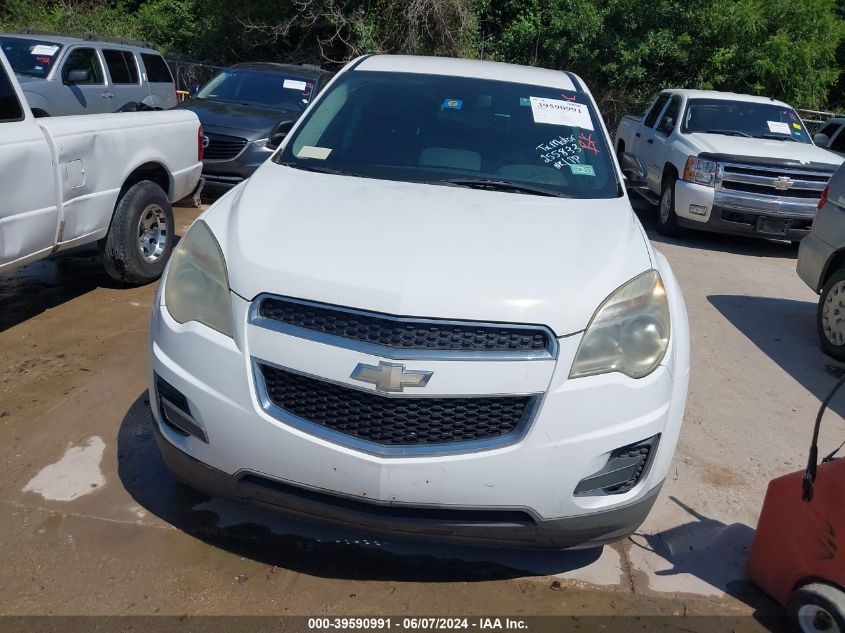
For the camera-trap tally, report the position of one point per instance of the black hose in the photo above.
(813, 459)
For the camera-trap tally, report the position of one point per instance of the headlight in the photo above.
(262, 142)
(197, 286)
(700, 171)
(629, 333)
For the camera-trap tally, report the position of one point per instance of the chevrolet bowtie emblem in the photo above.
(391, 377)
(782, 183)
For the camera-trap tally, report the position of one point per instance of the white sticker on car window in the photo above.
(559, 112)
(293, 84)
(309, 151)
(779, 127)
(43, 49)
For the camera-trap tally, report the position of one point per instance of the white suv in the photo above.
(432, 313)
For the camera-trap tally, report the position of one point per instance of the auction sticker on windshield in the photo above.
(43, 49)
(293, 84)
(558, 112)
(778, 127)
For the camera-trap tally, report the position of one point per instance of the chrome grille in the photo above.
(223, 147)
(779, 182)
(404, 424)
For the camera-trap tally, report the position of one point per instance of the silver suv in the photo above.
(63, 75)
(821, 264)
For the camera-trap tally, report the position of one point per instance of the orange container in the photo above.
(798, 554)
(800, 542)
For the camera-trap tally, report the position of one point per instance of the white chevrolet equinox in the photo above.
(432, 313)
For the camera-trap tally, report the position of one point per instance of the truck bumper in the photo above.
(709, 209)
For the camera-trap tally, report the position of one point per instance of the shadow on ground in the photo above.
(47, 283)
(317, 550)
(785, 330)
(718, 242)
(713, 552)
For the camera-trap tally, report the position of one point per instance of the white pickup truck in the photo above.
(727, 162)
(107, 178)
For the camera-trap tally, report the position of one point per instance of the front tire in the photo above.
(830, 316)
(140, 239)
(667, 220)
(817, 608)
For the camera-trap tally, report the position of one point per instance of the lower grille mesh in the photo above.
(394, 421)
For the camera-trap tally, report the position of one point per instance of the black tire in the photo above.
(817, 607)
(124, 258)
(830, 316)
(667, 220)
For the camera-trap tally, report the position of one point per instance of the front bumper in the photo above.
(740, 213)
(251, 455)
(500, 528)
(225, 174)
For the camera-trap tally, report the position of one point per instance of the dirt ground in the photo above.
(92, 523)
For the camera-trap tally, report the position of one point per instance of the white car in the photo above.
(726, 162)
(107, 178)
(432, 313)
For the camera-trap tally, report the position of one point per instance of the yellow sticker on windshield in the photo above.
(796, 126)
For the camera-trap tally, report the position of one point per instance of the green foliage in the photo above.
(625, 49)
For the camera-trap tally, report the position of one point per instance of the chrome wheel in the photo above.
(152, 232)
(665, 205)
(833, 314)
(815, 619)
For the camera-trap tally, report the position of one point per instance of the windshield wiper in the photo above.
(501, 185)
(729, 133)
(777, 137)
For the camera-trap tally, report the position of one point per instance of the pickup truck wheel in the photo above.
(830, 316)
(140, 239)
(667, 221)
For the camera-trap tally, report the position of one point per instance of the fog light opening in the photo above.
(625, 468)
(175, 411)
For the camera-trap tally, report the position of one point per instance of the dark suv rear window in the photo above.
(157, 70)
(10, 108)
(122, 66)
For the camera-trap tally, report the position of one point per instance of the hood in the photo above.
(737, 148)
(427, 250)
(219, 114)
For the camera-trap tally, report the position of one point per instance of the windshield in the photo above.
(33, 58)
(743, 118)
(259, 88)
(457, 131)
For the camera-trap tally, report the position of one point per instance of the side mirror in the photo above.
(78, 76)
(278, 134)
(193, 89)
(668, 126)
(632, 169)
(822, 140)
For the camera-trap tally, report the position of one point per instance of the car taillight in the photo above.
(199, 144)
(823, 199)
